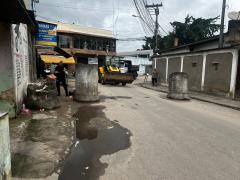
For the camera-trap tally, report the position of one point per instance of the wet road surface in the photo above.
(97, 136)
(138, 134)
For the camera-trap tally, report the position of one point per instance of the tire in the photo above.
(124, 84)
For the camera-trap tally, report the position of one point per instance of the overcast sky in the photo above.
(116, 15)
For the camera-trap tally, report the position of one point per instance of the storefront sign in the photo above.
(47, 34)
(92, 60)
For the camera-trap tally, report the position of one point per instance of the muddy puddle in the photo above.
(97, 136)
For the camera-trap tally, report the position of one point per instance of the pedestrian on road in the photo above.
(61, 78)
(154, 77)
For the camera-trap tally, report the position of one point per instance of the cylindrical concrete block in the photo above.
(178, 86)
(86, 83)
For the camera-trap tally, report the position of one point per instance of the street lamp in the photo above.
(143, 21)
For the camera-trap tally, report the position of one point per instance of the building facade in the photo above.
(17, 56)
(139, 58)
(86, 42)
(210, 69)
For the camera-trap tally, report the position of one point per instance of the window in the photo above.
(77, 43)
(64, 41)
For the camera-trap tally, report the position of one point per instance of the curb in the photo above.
(196, 98)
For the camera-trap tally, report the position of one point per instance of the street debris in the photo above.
(42, 95)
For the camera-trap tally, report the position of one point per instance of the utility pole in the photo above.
(156, 9)
(221, 38)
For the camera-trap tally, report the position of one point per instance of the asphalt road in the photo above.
(171, 140)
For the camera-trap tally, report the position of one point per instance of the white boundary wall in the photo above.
(234, 52)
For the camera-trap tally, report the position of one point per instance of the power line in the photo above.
(132, 39)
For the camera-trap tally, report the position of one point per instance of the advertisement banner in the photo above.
(47, 34)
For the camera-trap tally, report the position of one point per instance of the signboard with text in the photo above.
(92, 60)
(47, 34)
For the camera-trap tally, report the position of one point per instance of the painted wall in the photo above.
(174, 65)
(193, 65)
(20, 58)
(218, 72)
(161, 68)
(7, 97)
(5, 155)
(211, 71)
(6, 75)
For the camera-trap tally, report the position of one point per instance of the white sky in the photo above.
(116, 15)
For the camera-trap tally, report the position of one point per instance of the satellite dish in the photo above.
(234, 15)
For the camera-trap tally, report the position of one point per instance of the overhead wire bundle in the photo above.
(145, 16)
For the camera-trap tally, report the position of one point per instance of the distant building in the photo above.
(86, 42)
(139, 58)
(83, 43)
(210, 69)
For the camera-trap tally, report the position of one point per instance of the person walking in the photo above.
(154, 77)
(61, 78)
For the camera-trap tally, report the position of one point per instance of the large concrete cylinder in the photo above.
(86, 83)
(178, 86)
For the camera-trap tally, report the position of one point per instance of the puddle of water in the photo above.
(97, 136)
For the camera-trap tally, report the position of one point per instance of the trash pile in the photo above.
(42, 95)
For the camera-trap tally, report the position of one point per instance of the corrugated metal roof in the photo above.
(73, 28)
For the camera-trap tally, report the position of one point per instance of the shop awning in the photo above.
(56, 59)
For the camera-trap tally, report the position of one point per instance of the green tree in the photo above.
(190, 31)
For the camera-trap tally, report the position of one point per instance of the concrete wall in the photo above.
(7, 97)
(211, 71)
(14, 69)
(161, 68)
(5, 154)
(193, 65)
(218, 72)
(174, 65)
(20, 58)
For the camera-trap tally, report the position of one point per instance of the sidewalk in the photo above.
(198, 96)
(40, 142)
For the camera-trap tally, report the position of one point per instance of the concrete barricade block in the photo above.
(86, 83)
(178, 86)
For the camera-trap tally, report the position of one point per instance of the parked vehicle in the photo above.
(112, 75)
(125, 66)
